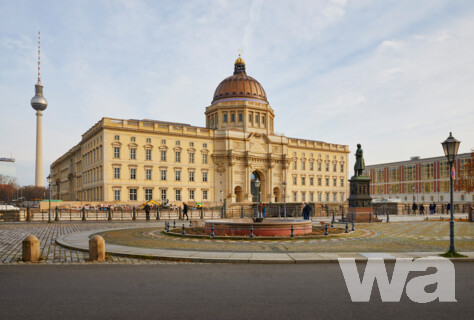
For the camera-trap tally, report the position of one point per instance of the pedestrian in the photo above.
(264, 210)
(260, 209)
(414, 207)
(422, 209)
(185, 211)
(147, 211)
(306, 211)
(448, 208)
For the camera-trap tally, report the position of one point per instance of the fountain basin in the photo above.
(268, 227)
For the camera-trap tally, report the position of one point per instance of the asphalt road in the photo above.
(207, 291)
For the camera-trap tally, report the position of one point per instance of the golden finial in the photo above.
(239, 59)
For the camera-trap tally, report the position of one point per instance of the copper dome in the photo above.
(240, 85)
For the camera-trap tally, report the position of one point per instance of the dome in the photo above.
(240, 85)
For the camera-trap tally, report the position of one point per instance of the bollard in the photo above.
(182, 230)
(332, 224)
(31, 249)
(251, 231)
(166, 229)
(325, 229)
(388, 217)
(56, 216)
(370, 217)
(352, 226)
(157, 213)
(212, 231)
(168, 226)
(109, 212)
(83, 213)
(174, 223)
(134, 217)
(96, 248)
(292, 234)
(347, 228)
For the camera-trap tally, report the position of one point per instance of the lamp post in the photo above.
(450, 147)
(49, 198)
(257, 186)
(284, 199)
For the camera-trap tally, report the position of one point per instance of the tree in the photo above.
(465, 181)
(7, 187)
(33, 193)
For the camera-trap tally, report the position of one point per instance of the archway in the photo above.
(256, 192)
(276, 194)
(238, 194)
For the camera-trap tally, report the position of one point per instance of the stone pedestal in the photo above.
(360, 201)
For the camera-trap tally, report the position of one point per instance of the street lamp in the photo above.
(450, 147)
(257, 186)
(284, 198)
(49, 208)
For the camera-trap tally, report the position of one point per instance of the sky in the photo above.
(396, 76)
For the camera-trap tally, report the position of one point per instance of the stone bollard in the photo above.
(83, 213)
(31, 249)
(56, 212)
(97, 248)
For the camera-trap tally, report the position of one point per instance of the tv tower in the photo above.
(39, 103)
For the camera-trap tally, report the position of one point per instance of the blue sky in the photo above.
(395, 76)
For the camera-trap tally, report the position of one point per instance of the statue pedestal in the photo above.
(360, 201)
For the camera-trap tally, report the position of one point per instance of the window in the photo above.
(334, 182)
(303, 165)
(320, 197)
(148, 154)
(294, 165)
(256, 119)
(117, 138)
(148, 174)
(148, 194)
(117, 195)
(204, 158)
(133, 153)
(148, 140)
(133, 173)
(263, 119)
(133, 194)
(327, 196)
(178, 175)
(177, 156)
(303, 181)
(319, 166)
(204, 194)
(132, 139)
(232, 117)
(178, 143)
(303, 196)
(327, 166)
(294, 180)
(327, 182)
(204, 176)
(116, 173)
(163, 155)
(334, 196)
(225, 117)
(342, 196)
(116, 152)
(191, 157)
(163, 175)
(163, 141)
(191, 175)
(295, 197)
(426, 171)
(379, 175)
(204, 145)
(191, 194)
(241, 117)
(342, 182)
(178, 195)
(394, 174)
(444, 169)
(191, 144)
(319, 181)
(163, 195)
(334, 167)
(342, 168)
(311, 196)
(250, 117)
(311, 166)
(311, 181)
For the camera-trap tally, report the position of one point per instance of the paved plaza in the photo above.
(145, 243)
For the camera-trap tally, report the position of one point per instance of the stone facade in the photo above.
(136, 160)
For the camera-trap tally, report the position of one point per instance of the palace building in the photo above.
(137, 160)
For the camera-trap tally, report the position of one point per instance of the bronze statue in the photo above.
(359, 166)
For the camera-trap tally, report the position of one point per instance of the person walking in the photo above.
(147, 211)
(185, 211)
(422, 209)
(306, 211)
(264, 210)
(414, 207)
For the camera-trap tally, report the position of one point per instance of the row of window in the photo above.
(163, 155)
(311, 166)
(326, 197)
(214, 119)
(133, 194)
(311, 181)
(163, 174)
(163, 141)
(410, 172)
(413, 188)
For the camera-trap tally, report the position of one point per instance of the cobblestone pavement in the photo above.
(418, 236)
(12, 235)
